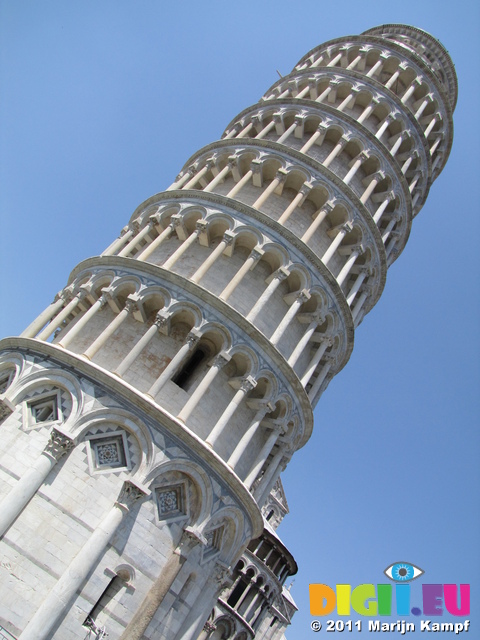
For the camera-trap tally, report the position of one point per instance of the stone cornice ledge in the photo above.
(100, 376)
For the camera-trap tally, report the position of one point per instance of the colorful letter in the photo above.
(343, 599)
(402, 595)
(450, 595)
(318, 594)
(362, 594)
(384, 597)
(432, 599)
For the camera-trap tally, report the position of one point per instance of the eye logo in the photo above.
(403, 572)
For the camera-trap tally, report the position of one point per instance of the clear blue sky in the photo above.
(102, 103)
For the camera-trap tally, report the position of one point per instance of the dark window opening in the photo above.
(185, 376)
(93, 621)
(234, 597)
(269, 517)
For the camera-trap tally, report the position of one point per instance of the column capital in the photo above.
(248, 383)
(221, 571)
(161, 321)
(351, 248)
(58, 445)
(256, 253)
(228, 237)
(131, 493)
(191, 537)
(66, 294)
(201, 225)
(131, 306)
(221, 359)
(281, 274)
(193, 337)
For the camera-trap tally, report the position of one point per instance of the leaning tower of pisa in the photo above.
(148, 412)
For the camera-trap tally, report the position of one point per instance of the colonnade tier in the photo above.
(319, 134)
(382, 56)
(302, 185)
(369, 102)
(266, 233)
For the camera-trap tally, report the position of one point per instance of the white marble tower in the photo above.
(148, 412)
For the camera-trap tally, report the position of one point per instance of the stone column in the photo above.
(342, 232)
(320, 216)
(287, 133)
(319, 381)
(74, 330)
(349, 264)
(46, 315)
(359, 305)
(305, 339)
(379, 212)
(98, 343)
(150, 248)
(245, 130)
(146, 611)
(192, 627)
(178, 184)
(227, 240)
(357, 163)
(190, 184)
(317, 356)
(247, 385)
(430, 126)
(357, 284)
(124, 237)
(376, 68)
(414, 84)
(247, 437)
(335, 151)
(274, 184)
(58, 601)
(274, 469)
(262, 457)
(202, 388)
(138, 238)
(140, 346)
(266, 129)
(296, 202)
(319, 134)
(200, 227)
(171, 369)
(247, 266)
(379, 176)
(23, 491)
(240, 184)
(334, 60)
(302, 297)
(57, 320)
(278, 277)
(218, 178)
(385, 124)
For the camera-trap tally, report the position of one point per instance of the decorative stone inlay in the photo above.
(109, 453)
(171, 501)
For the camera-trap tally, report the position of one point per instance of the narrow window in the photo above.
(95, 620)
(186, 374)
